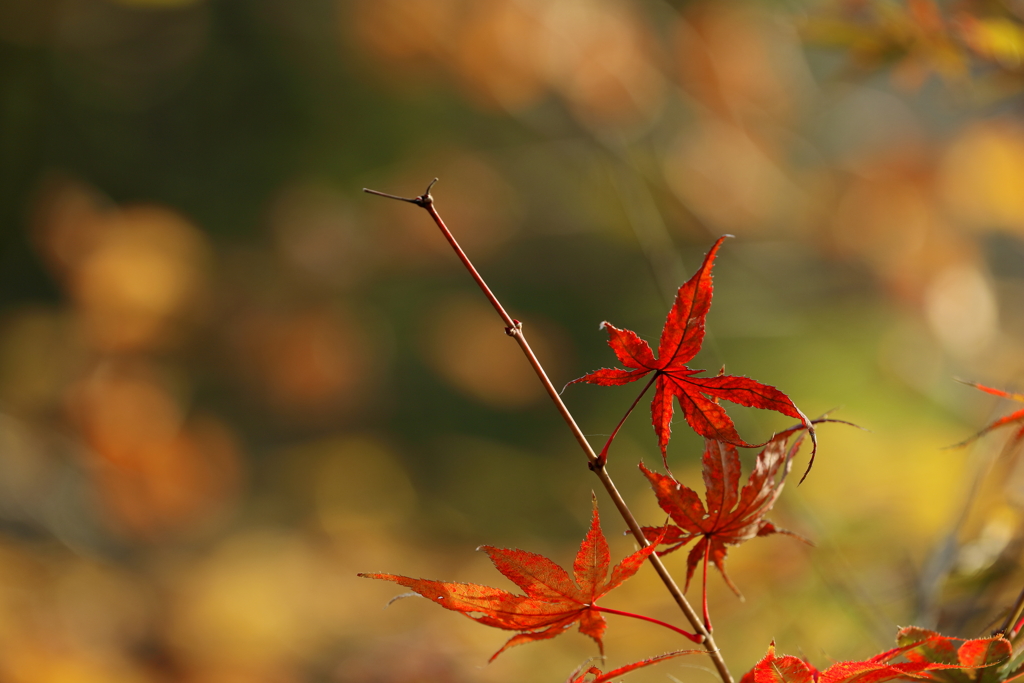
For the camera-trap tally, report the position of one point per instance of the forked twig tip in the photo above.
(423, 201)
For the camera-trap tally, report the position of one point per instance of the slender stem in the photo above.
(602, 457)
(659, 622)
(1016, 630)
(704, 585)
(1014, 616)
(514, 329)
(427, 202)
(1017, 633)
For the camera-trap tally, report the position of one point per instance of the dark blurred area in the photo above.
(229, 380)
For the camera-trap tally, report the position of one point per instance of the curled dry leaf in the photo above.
(732, 516)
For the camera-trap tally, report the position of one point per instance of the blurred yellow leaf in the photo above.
(982, 173)
(997, 38)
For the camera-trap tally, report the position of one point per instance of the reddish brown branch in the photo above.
(514, 329)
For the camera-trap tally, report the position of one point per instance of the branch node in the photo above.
(514, 329)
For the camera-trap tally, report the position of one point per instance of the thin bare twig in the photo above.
(1014, 616)
(514, 329)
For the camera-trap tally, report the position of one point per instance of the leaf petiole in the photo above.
(602, 457)
(691, 636)
(704, 587)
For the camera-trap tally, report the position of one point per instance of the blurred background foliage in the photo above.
(229, 380)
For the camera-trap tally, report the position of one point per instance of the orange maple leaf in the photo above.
(554, 601)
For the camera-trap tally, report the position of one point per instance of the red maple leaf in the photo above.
(698, 397)
(731, 516)
(1017, 416)
(926, 651)
(554, 601)
(923, 645)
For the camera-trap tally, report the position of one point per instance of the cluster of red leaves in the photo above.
(698, 397)
(553, 602)
(929, 656)
(731, 516)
